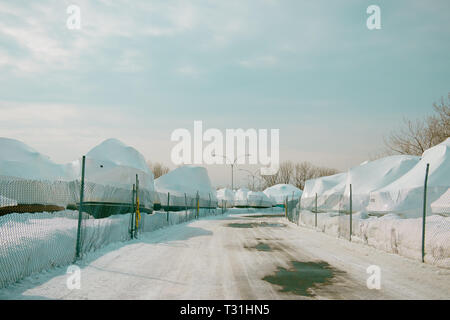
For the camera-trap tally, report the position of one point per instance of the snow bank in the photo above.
(6, 202)
(188, 180)
(371, 176)
(243, 197)
(31, 243)
(389, 185)
(225, 197)
(329, 192)
(279, 192)
(114, 164)
(19, 160)
(259, 199)
(115, 151)
(405, 195)
(111, 167)
(391, 233)
(240, 197)
(442, 205)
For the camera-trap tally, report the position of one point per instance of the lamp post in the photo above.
(232, 163)
(253, 175)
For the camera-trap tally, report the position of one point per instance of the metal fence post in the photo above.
(315, 216)
(133, 209)
(137, 214)
(209, 208)
(351, 216)
(80, 210)
(168, 203)
(424, 217)
(198, 204)
(285, 208)
(185, 207)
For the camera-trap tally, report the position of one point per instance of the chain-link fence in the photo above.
(292, 209)
(44, 224)
(424, 236)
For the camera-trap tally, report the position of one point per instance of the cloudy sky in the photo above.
(137, 70)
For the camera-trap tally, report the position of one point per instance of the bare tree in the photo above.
(324, 171)
(158, 169)
(414, 137)
(305, 171)
(296, 174)
(269, 181)
(286, 172)
(442, 118)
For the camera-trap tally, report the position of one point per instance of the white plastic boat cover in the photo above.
(240, 197)
(442, 205)
(225, 198)
(258, 199)
(373, 175)
(329, 190)
(279, 192)
(404, 196)
(188, 180)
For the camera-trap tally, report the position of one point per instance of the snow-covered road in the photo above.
(238, 257)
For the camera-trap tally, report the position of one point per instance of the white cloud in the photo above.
(189, 70)
(259, 62)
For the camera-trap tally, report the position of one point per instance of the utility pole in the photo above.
(232, 163)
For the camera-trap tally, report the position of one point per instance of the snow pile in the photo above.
(442, 205)
(31, 243)
(115, 151)
(405, 195)
(279, 192)
(329, 192)
(240, 197)
(111, 167)
(6, 202)
(189, 181)
(257, 199)
(28, 177)
(115, 165)
(225, 198)
(34, 242)
(391, 233)
(21, 161)
(371, 176)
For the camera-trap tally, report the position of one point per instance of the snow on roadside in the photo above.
(34, 242)
(6, 202)
(391, 233)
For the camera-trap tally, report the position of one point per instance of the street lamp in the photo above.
(253, 175)
(232, 164)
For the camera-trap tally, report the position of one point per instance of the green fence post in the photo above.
(136, 217)
(315, 216)
(198, 205)
(80, 210)
(285, 208)
(168, 202)
(424, 217)
(209, 209)
(351, 216)
(185, 207)
(133, 198)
